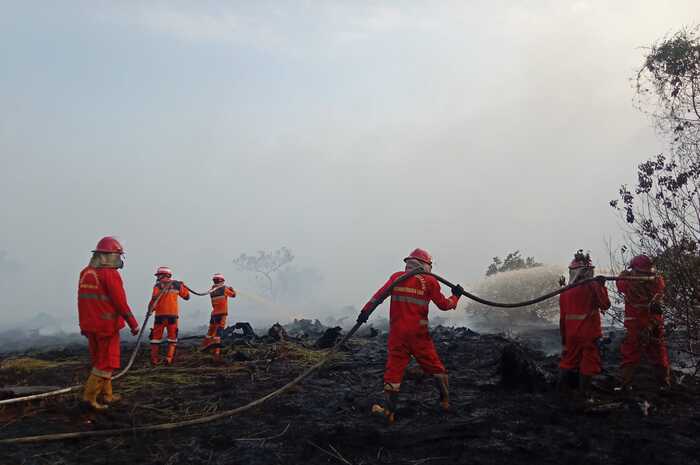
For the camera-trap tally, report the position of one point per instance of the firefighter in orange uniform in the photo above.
(579, 324)
(219, 293)
(164, 303)
(644, 321)
(102, 311)
(408, 331)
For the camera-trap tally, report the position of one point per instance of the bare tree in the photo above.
(265, 265)
(662, 211)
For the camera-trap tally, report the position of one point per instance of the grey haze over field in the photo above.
(350, 132)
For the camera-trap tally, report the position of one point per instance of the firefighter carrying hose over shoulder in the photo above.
(644, 322)
(167, 313)
(219, 294)
(579, 324)
(102, 311)
(408, 332)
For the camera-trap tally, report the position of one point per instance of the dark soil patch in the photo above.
(505, 411)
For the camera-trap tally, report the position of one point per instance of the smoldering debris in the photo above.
(505, 407)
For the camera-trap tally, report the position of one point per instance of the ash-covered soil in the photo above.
(506, 410)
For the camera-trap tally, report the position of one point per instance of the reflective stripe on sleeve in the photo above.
(409, 290)
(576, 317)
(410, 300)
(94, 297)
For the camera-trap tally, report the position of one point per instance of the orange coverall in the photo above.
(219, 302)
(167, 314)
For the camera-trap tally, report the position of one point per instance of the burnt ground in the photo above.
(506, 410)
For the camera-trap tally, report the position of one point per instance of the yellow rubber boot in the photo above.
(93, 387)
(108, 396)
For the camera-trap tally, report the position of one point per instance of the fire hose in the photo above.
(77, 387)
(305, 374)
(132, 358)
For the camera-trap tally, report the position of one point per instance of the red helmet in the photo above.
(164, 270)
(218, 277)
(109, 244)
(421, 255)
(642, 263)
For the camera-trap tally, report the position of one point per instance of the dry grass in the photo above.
(27, 364)
(299, 353)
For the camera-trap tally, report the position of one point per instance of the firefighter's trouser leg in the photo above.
(400, 349)
(423, 349)
(105, 358)
(172, 340)
(398, 357)
(156, 339)
(217, 324)
(104, 354)
(581, 354)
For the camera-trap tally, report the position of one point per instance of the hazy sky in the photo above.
(351, 132)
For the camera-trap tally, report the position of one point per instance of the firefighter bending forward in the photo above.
(219, 294)
(408, 332)
(102, 310)
(579, 324)
(167, 313)
(644, 322)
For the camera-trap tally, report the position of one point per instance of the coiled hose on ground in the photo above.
(305, 374)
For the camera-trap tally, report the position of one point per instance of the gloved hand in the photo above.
(600, 279)
(135, 331)
(363, 317)
(457, 290)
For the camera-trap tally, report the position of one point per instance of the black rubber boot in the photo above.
(443, 386)
(391, 400)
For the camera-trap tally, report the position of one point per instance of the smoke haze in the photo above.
(350, 132)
